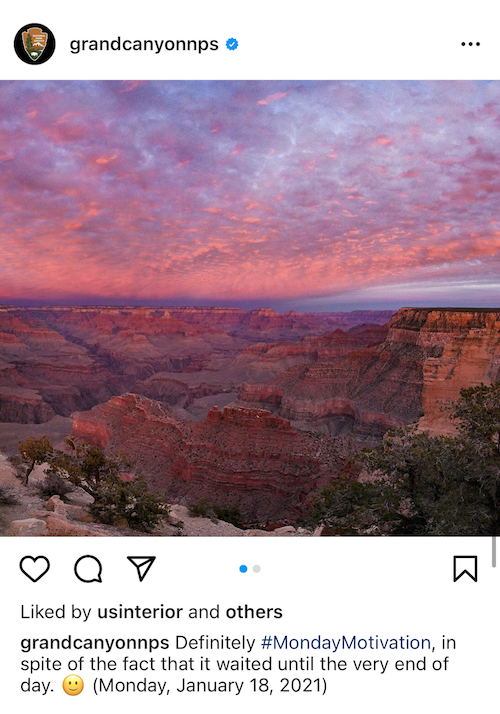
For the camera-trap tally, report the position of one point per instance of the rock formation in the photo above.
(462, 349)
(245, 457)
(284, 399)
(55, 360)
(427, 357)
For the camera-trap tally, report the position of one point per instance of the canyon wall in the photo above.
(462, 349)
(415, 373)
(55, 360)
(245, 457)
(269, 461)
(361, 380)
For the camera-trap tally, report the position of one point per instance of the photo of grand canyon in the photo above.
(249, 308)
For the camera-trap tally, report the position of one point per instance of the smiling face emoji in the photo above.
(73, 685)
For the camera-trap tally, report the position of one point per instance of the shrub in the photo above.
(227, 512)
(230, 514)
(201, 509)
(8, 497)
(54, 485)
(130, 501)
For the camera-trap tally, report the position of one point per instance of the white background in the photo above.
(278, 39)
(325, 586)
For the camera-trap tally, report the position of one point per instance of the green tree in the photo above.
(88, 467)
(34, 452)
(478, 415)
(99, 474)
(441, 482)
(420, 484)
(350, 507)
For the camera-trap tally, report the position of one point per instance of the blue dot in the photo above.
(243, 568)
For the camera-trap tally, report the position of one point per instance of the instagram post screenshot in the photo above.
(249, 357)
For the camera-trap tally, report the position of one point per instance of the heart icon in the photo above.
(34, 568)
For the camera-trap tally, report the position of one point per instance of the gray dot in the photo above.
(256, 568)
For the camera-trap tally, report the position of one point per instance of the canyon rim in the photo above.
(276, 303)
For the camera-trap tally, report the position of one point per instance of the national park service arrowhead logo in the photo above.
(34, 43)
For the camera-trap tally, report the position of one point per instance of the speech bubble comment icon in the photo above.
(88, 569)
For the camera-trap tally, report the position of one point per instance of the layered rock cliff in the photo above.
(417, 372)
(362, 379)
(270, 325)
(246, 457)
(267, 461)
(54, 360)
(461, 348)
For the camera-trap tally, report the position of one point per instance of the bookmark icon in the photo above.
(465, 565)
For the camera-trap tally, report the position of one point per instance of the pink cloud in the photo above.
(94, 206)
(101, 160)
(384, 140)
(273, 98)
(130, 85)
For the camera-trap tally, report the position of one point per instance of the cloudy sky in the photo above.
(304, 195)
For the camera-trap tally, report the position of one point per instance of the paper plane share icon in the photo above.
(143, 564)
